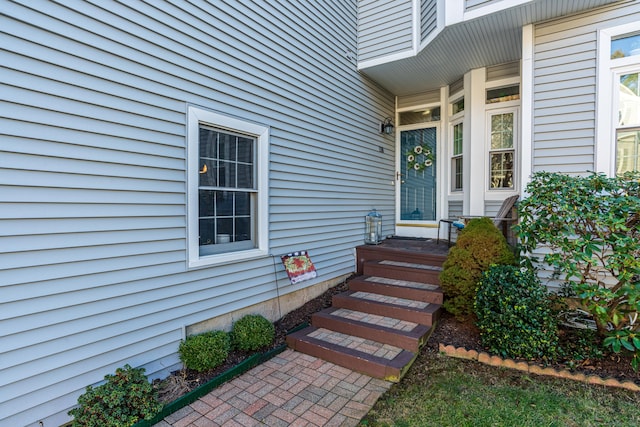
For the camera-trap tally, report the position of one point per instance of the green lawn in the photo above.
(441, 391)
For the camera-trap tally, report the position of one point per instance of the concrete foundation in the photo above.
(272, 309)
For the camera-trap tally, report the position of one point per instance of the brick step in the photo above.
(398, 288)
(399, 333)
(378, 253)
(366, 356)
(403, 270)
(388, 306)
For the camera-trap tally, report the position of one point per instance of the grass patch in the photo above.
(441, 391)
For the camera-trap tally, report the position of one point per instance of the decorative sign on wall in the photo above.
(299, 267)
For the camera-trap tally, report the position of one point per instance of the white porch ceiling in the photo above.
(489, 40)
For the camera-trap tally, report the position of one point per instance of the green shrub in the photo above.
(579, 345)
(479, 245)
(591, 225)
(252, 332)
(514, 314)
(205, 351)
(123, 400)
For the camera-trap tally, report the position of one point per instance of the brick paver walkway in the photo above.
(291, 389)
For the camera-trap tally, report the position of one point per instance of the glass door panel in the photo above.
(418, 168)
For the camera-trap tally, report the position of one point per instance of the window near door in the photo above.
(628, 126)
(503, 94)
(625, 46)
(227, 203)
(457, 107)
(618, 99)
(456, 159)
(423, 115)
(501, 151)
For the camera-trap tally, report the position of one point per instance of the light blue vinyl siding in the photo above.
(565, 61)
(92, 175)
(417, 99)
(455, 208)
(428, 17)
(456, 86)
(491, 207)
(503, 71)
(384, 28)
(564, 115)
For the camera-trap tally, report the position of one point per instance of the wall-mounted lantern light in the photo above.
(387, 126)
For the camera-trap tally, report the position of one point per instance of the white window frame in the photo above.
(195, 117)
(453, 120)
(452, 156)
(503, 109)
(608, 71)
(617, 73)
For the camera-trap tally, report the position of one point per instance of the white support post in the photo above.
(526, 105)
(475, 161)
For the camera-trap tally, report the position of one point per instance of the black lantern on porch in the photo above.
(373, 228)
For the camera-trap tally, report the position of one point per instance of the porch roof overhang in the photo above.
(486, 40)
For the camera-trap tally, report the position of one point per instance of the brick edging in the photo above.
(487, 359)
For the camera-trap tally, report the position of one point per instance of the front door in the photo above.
(417, 186)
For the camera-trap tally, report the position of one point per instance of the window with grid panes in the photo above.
(501, 151)
(227, 193)
(226, 190)
(456, 159)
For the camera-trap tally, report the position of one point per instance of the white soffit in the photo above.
(488, 40)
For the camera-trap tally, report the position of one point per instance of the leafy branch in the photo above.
(590, 227)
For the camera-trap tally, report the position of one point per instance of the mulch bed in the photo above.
(449, 331)
(465, 334)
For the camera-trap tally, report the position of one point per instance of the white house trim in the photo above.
(526, 105)
(492, 8)
(417, 27)
(196, 116)
(388, 58)
(606, 70)
(474, 189)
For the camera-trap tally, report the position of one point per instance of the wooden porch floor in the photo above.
(407, 249)
(413, 244)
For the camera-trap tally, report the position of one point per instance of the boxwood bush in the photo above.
(479, 245)
(514, 314)
(252, 332)
(123, 400)
(205, 351)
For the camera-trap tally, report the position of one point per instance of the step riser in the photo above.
(402, 273)
(410, 315)
(376, 253)
(344, 360)
(432, 297)
(411, 342)
(389, 370)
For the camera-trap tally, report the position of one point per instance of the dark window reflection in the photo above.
(226, 172)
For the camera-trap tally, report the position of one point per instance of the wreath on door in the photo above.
(420, 158)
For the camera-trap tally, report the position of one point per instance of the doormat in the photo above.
(299, 267)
